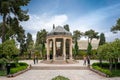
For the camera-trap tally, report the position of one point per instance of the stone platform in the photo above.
(60, 61)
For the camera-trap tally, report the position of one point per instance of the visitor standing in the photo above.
(84, 58)
(88, 60)
(34, 60)
(37, 60)
(8, 68)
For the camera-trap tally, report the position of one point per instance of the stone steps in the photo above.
(59, 62)
(59, 68)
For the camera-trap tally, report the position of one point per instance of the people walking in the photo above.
(84, 58)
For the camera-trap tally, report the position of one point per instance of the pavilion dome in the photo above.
(59, 31)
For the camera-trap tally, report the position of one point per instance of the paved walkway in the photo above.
(49, 74)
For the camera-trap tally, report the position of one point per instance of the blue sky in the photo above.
(99, 15)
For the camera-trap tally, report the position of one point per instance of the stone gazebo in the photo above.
(59, 44)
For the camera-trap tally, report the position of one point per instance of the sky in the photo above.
(83, 15)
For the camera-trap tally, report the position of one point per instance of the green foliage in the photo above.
(15, 70)
(3, 62)
(76, 49)
(102, 39)
(91, 34)
(109, 50)
(41, 37)
(40, 42)
(116, 27)
(89, 49)
(9, 49)
(116, 73)
(29, 39)
(2, 72)
(23, 64)
(66, 27)
(60, 78)
(12, 14)
(104, 68)
(106, 71)
(77, 35)
(16, 67)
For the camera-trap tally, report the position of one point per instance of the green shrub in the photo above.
(60, 78)
(13, 65)
(106, 65)
(106, 71)
(15, 70)
(23, 64)
(18, 67)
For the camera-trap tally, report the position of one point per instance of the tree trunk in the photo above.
(3, 29)
(116, 61)
(111, 64)
(90, 41)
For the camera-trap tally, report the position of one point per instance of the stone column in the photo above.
(48, 49)
(54, 48)
(70, 42)
(64, 48)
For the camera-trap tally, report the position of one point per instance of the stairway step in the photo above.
(59, 68)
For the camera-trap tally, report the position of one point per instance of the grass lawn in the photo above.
(2, 73)
(116, 73)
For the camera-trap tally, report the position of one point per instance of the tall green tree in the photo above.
(91, 34)
(29, 39)
(29, 44)
(40, 41)
(11, 9)
(101, 42)
(116, 27)
(77, 35)
(102, 39)
(110, 51)
(9, 49)
(76, 48)
(41, 37)
(89, 49)
(66, 27)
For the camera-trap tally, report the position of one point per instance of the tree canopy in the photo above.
(91, 34)
(77, 35)
(9, 49)
(11, 11)
(116, 27)
(66, 27)
(102, 39)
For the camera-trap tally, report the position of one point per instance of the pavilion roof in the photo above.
(59, 31)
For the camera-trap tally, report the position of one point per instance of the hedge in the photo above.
(106, 71)
(18, 67)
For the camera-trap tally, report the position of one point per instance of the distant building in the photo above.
(83, 44)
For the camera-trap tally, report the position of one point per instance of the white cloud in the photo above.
(38, 22)
(97, 20)
(57, 20)
(111, 37)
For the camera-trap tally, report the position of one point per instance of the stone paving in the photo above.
(49, 74)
